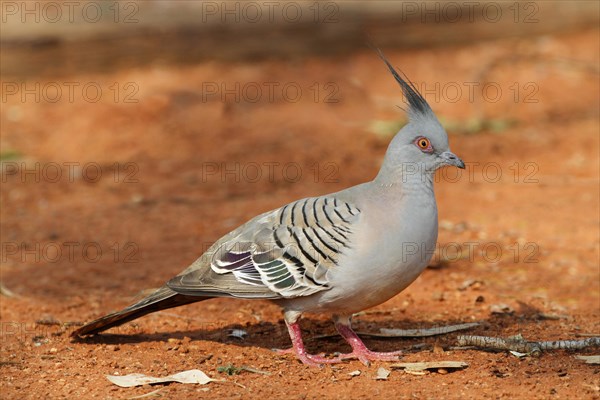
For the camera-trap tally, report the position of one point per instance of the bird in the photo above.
(335, 254)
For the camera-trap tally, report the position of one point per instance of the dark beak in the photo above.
(450, 158)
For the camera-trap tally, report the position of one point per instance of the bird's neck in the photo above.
(405, 182)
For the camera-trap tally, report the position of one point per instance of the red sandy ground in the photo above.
(544, 219)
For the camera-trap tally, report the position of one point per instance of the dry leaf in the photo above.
(415, 372)
(518, 354)
(595, 360)
(131, 380)
(501, 309)
(468, 283)
(437, 349)
(5, 292)
(382, 374)
(238, 333)
(422, 366)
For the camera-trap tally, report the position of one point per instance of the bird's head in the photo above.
(421, 146)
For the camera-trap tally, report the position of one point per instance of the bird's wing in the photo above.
(284, 253)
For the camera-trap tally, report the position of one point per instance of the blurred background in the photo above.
(133, 134)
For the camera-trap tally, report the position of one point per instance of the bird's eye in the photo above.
(424, 144)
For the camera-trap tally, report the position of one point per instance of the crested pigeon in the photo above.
(338, 253)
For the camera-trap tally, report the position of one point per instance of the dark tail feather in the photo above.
(162, 299)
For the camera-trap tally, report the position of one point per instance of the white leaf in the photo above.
(238, 333)
(518, 354)
(589, 359)
(131, 380)
(382, 374)
(422, 366)
(501, 309)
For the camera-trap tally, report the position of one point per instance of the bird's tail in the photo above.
(161, 299)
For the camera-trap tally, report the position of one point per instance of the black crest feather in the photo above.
(417, 104)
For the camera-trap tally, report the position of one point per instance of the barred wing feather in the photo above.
(285, 253)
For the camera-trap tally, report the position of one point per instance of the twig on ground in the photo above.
(437, 330)
(4, 291)
(412, 333)
(519, 344)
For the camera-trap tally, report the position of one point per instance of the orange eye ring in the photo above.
(423, 143)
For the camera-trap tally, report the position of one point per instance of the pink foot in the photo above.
(366, 356)
(359, 350)
(310, 359)
(300, 352)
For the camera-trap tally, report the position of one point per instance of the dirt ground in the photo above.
(181, 166)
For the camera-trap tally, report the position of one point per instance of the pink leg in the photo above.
(300, 351)
(359, 350)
